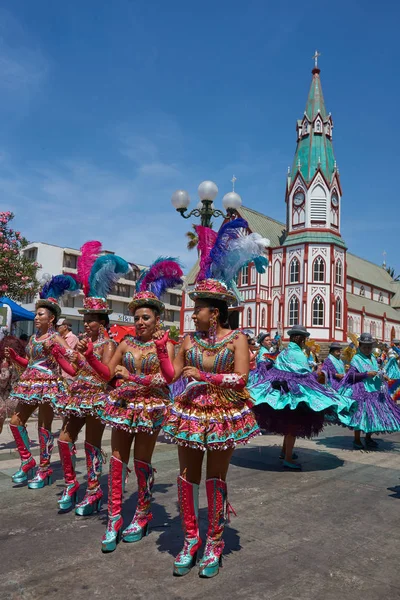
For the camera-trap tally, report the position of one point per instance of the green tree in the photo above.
(392, 273)
(17, 272)
(174, 333)
(193, 240)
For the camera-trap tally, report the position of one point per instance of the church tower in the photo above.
(314, 253)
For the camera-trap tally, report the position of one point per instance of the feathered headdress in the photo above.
(98, 275)
(351, 349)
(164, 273)
(52, 291)
(222, 256)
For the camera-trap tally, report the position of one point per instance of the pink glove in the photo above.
(22, 362)
(145, 380)
(166, 366)
(97, 365)
(59, 353)
(225, 380)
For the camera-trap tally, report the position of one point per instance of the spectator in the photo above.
(64, 328)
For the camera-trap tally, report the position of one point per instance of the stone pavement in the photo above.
(331, 531)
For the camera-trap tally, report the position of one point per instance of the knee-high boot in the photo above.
(188, 498)
(44, 472)
(28, 463)
(116, 477)
(67, 452)
(94, 493)
(139, 526)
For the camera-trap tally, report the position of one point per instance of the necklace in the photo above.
(212, 349)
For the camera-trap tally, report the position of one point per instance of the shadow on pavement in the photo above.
(267, 459)
(345, 442)
(396, 492)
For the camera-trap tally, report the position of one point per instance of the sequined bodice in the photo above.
(216, 358)
(39, 354)
(148, 363)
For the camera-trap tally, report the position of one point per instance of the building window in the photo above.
(263, 317)
(253, 275)
(169, 315)
(319, 269)
(277, 272)
(29, 299)
(339, 272)
(121, 290)
(31, 254)
(362, 291)
(294, 271)
(318, 207)
(373, 329)
(338, 313)
(350, 325)
(249, 317)
(380, 299)
(69, 301)
(175, 300)
(318, 312)
(318, 126)
(293, 311)
(134, 274)
(245, 275)
(70, 261)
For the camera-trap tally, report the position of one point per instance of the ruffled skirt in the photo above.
(133, 408)
(84, 399)
(39, 388)
(208, 417)
(376, 412)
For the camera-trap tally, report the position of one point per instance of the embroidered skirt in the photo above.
(35, 387)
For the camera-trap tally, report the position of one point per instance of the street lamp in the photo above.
(207, 191)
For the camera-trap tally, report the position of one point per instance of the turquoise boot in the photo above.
(116, 476)
(188, 499)
(44, 472)
(139, 527)
(28, 463)
(94, 493)
(67, 452)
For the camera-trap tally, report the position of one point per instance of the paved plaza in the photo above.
(331, 531)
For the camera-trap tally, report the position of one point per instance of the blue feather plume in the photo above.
(105, 273)
(221, 249)
(57, 286)
(164, 273)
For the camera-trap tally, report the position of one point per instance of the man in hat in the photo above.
(64, 328)
(333, 366)
(376, 412)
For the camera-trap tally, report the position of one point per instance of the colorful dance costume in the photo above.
(376, 412)
(88, 390)
(290, 401)
(392, 370)
(334, 368)
(138, 404)
(41, 382)
(215, 413)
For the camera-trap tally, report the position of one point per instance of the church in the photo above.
(312, 279)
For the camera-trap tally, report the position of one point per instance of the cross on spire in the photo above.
(233, 180)
(384, 258)
(315, 58)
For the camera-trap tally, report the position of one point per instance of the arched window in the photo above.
(338, 313)
(318, 312)
(249, 317)
(294, 273)
(277, 272)
(339, 272)
(305, 127)
(318, 206)
(350, 325)
(293, 311)
(263, 317)
(362, 291)
(318, 126)
(253, 275)
(275, 313)
(319, 269)
(373, 328)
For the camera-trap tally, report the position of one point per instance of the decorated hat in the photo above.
(298, 330)
(98, 275)
(222, 255)
(262, 336)
(52, 291)
(366, 338)
(164, 273)
(335, 346)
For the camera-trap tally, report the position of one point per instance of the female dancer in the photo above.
(9, 374)
(213, 414)
(376, 412)
(87, 392)
(40, 384)
(333, 366)
(136, 408)
(291, 402)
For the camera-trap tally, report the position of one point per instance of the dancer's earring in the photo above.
(212, 330)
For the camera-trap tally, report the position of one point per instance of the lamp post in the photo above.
(207, 191)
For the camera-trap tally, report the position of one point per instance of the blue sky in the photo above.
(107, 108)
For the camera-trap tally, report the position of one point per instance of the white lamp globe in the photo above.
(232, 200)
(180, 199)
(200, 205)
(207, 190)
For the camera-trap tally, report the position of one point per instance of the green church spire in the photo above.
(314, 143)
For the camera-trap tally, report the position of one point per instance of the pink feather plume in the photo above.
(164, 273)
(206, 242)
(90, 251)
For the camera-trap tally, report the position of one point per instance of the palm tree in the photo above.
(392, 273)
(193, 240)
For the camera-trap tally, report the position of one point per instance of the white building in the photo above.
(55, 260)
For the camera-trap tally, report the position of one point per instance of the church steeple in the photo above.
(313, 192)
(314, 135)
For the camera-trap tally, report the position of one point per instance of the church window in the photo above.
(293, 311)
(249, 317)
(373, 328)
(245, 275)
(294, 271)
(338, 313)
(277, 272)
(362, 291)
(318, 126)
(263, 317)
(339, 272)
(318, 206)
(253, 275)
(350, 325)
(305, 128)
(380, 299)
(319, 269)
(318, 312)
